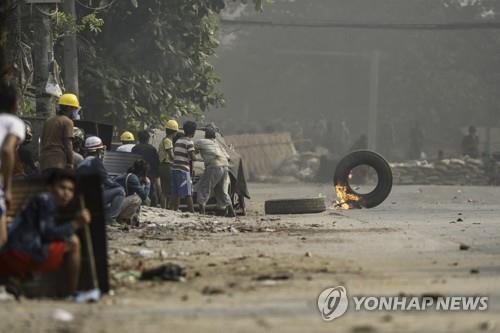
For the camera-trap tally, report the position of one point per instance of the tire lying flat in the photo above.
(381, 167)
(295, 206)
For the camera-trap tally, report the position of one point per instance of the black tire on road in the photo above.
(377, 162)
(295, 206)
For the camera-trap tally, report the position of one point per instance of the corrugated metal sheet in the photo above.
(262, 153)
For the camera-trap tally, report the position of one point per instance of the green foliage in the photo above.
(152, 62)
(64, 24)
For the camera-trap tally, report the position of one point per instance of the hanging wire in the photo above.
(47, 13)
(96, 8)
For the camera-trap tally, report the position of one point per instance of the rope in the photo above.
(96, 8)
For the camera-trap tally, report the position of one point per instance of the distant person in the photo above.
(361, 143)
(440, 155)
(12, 133)
(470, 143)
(128, 142)
(26, 165)
(42, 236)
(78, 143)
(416, 142)
(215, 178)
(113, 193)
(166, 154)
(150, 155)
(184, 155)
(137, 185)
(57, 135)
(345, 135)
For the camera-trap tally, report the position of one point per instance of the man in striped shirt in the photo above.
(184, 155)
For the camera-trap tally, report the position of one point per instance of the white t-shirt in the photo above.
(127, 148)
(10, 124)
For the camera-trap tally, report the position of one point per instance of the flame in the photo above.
(345, 200)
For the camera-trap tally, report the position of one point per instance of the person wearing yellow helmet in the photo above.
(57, 135)
(128, 142)
(166, 153)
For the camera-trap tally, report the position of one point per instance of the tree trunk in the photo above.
(70, 53)
(42, 50)
(5, 5)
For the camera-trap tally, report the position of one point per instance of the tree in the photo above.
(151, 62)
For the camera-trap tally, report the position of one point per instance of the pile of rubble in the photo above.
(302, 166)
(453, 171)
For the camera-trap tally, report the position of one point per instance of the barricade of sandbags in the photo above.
(453, 171)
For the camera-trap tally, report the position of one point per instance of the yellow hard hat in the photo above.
(69, 100)
(127, 136)
(172, 125)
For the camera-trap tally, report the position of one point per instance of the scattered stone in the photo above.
(62, 315)
(275, 276)
(459, 220)
(386, 318)
(145, 253)
(474, 271)
(233, 230)
(308, 254)
(166, 272)
(184, 298)
(363, 329)
(487, 325)
(464, 247)
(209, 290)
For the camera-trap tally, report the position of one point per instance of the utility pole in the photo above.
(70, 53)
(42, 51)
(373, 107)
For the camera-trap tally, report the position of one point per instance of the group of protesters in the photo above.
(171, 167)
(41, 236)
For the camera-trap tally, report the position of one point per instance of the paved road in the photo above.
(408, 246)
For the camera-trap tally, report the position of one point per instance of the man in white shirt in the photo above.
(215, 178)
(12, 133)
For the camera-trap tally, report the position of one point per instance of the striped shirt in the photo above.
(182, 150)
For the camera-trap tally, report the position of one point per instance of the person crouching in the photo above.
(113, 194)
(137, 186)
(42, 236)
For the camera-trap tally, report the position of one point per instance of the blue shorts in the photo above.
(3, 207)
(181, 183)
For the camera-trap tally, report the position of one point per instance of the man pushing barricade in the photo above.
(184, 155)
(215, 178)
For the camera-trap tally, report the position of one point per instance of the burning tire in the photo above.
(347, 195)
(295, 206)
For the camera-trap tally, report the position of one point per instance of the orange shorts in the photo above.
(17, 263)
